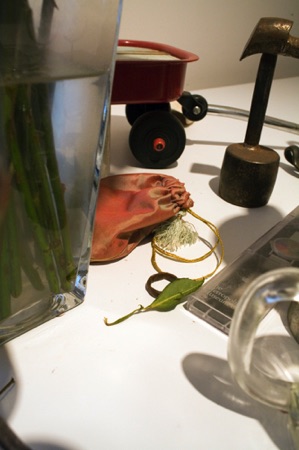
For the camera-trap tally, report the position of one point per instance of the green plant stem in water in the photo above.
(30, 267)
(5, 306)
(53, 171)
(42, 163)
(14, 251)
(38, 229)
(27, 147)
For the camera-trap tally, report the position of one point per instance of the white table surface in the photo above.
(159, 380)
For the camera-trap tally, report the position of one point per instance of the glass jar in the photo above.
(56, 72)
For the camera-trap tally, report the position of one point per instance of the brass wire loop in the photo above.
(156, 249)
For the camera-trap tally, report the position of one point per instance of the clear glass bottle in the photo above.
(56, 72)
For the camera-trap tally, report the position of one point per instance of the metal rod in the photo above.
(233, 113)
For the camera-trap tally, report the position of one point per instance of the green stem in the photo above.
(122, 319)
(45, 183)
(28, 268)
(5, 307)
(14, 252)
(27, 258)
(23, 183)
(53, 170)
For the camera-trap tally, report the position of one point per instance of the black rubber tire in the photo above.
(291, 154)
(196, 101)
(135, 110)
(157, 125)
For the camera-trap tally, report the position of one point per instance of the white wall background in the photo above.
(216, 30)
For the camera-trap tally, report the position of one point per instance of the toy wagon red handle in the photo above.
(148, 76)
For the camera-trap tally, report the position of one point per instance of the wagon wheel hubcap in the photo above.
(159, 144)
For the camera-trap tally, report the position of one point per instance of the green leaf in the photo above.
(174, 293)
(171, 296)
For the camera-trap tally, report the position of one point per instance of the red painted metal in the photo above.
(150, 81)
(159, 144)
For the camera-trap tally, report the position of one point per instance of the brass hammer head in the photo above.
(272, 35)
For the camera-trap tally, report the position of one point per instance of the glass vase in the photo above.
(56, 71)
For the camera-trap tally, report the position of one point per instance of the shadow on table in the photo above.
(212, 378)
(36, 445)
(242, 230)
(291, 170)
(8, 384)
(8, 398)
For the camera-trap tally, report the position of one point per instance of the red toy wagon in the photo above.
(148, 76)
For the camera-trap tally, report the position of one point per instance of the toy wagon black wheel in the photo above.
(157, 139)
(135, 110)
(194, 107)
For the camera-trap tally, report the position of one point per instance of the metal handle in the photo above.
(273, 122)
